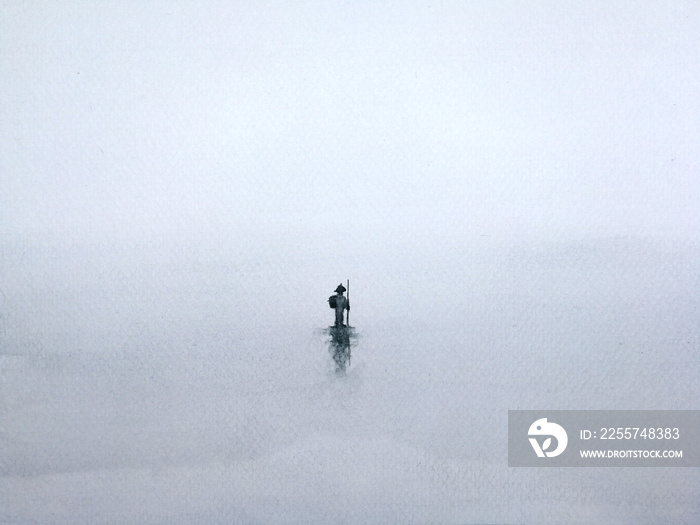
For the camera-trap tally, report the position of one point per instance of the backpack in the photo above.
(332, 301)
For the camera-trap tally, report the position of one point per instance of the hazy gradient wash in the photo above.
(521, 176)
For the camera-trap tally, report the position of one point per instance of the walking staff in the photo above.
(348, 316)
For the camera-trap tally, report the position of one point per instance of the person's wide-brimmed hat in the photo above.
(340, 288)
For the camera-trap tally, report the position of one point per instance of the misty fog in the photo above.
(511, 191)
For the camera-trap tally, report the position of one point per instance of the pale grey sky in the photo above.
(184, 118)
(183, 184)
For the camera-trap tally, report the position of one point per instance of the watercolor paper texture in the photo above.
(511, 189)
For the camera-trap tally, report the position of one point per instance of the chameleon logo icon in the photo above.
(542, 427)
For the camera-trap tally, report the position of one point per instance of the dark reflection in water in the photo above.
(342, 339)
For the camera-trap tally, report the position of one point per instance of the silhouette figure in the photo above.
(340, 303)
(341, 334)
